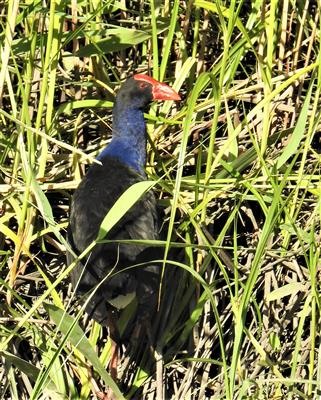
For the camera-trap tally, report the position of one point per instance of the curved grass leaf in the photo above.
(298, 132)
(118, 39)
(122, 205)
(69, 327)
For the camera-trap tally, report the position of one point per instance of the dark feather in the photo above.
(90, 204)
(108, 279)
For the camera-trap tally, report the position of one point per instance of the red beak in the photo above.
(160, 91)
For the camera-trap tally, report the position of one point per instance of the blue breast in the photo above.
(128, 144)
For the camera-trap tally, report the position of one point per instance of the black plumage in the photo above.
(91, 202)
(100, 279)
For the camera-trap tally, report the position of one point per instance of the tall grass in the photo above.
(236, 167)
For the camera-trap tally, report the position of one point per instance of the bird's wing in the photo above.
(100, 272)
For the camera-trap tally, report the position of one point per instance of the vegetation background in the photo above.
(237, 171)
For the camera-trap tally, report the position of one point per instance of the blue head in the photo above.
(128, 143)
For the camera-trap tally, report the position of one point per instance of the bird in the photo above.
(103, 280)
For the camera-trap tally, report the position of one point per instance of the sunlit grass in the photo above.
(236, 168)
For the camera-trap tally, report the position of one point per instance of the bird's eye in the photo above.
(142, 85)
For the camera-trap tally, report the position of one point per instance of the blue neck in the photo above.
(128, 144)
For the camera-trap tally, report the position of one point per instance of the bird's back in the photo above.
(100, 272)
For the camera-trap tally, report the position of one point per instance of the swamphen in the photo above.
(98, 279)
